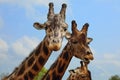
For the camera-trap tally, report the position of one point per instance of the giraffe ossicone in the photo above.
(56, 30)
(77, 46)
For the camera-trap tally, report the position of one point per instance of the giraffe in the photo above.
(80, 73)
(77, 46)
(56, 30)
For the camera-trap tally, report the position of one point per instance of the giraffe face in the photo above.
(56, 30)
(83, 71)
(79, 43)
(55, 27)
(72, 75)
(84, 76)
(80, 73)
(77, 74)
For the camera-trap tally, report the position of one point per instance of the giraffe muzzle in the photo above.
(55, 41)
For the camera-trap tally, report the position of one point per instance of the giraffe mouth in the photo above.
(86, 60)
(55, 46)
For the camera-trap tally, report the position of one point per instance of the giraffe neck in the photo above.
(59, 67)
(31, 66)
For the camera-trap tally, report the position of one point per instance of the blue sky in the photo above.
(18, 37)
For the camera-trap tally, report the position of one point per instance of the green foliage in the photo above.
(41, 74)
(115, 77)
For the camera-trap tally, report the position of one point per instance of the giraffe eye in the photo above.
(83, 76)
(46, 28)
(88, 53)
(75, 42)
(65, 29)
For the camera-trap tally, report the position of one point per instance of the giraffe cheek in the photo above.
(78, 55)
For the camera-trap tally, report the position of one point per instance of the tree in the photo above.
(41, 74)
(115, 77)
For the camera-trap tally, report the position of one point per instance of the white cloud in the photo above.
(3, 45)
(24, 45)
(3, 50)
(107, 58)
(112, 59)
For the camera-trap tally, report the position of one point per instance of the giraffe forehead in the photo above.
(57, 26)
(57, 16)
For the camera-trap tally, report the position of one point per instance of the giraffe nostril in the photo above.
(88, 52)
(55, 41)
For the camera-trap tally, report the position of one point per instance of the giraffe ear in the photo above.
(89, 40)
(68, 35)
(39, 26)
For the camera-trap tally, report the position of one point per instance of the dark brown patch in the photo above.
(31, 75)
(21, 71)
(90, 75)
(45, 49)
(38, 50)
(48, 77)
(61, 67)
(35, 67)
(41, 60)
(30, 61)
(82, 38)
(12, 78)
(25, 77)
(55, 76)
(66, 56)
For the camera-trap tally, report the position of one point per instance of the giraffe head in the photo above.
(80, 73)
(79, 42)
(84, 73)
(55, 27)
(72, 75)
